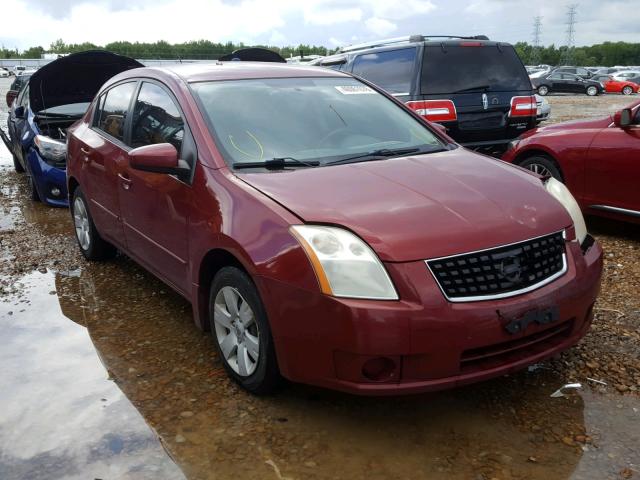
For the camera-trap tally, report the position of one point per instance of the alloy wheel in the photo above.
(539, 169)
(81, 223)
(543, 90)
(627, 90)
(237, 331)
(592, 91)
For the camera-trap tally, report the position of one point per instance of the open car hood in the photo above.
(75, 78)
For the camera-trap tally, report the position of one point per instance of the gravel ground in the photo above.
(143, 334)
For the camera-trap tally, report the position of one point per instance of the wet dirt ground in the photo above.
(104, 375)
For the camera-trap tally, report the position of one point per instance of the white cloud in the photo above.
(398, 10)
(319, 14)
(380, 26)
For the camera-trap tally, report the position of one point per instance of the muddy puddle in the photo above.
(99, 362)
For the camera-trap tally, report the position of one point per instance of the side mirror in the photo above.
(11, 96)
(623, 118)
(19, 112)
(158, 158)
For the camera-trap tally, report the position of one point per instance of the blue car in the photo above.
(55, 97)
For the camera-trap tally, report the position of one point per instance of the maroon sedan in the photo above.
(326, 233)
(598, 159)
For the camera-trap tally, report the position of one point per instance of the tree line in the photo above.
(604, 54)
(194, 50)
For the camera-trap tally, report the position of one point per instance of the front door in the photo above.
(155, 206)
(613, 167)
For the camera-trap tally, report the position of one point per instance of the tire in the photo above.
(627, 90)
(592, 91)
(543, 90)
(33, 190)
(233, 292)
(91, 244)
(542, 166)
(17, 166)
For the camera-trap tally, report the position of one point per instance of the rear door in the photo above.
(17, 125)
(102, 152)
(155, 206)
(481, 81)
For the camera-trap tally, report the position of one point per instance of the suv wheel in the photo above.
(241, 331)
(627, 90)
(543, 166)
(543, 90)
(91, 244)
(592, 91)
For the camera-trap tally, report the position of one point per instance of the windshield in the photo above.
(71, 110)
(453, 68)
(324, 119)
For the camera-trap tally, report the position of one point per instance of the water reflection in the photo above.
(508, 428)
(60, 416)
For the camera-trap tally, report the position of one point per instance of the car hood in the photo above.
(420, 207)
(75, 78)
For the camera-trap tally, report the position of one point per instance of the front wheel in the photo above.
(543, 90)
(91, 244)
(592, 91)
(543, 166)
(241, 331)
(627, 90)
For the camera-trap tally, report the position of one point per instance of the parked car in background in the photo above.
(566, 83)
(478, 89)
(626, 74)
(544, 109)
(53, 98)
(611, 85)
(4, 73)
(15, 87)
(598, 160)
(234, 183)
(609, 70)
(635, 79)
(579, 71)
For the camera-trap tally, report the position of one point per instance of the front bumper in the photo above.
(426, 342)
(48, 180)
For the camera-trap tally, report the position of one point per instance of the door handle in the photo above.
(85, 152)
(126, 181)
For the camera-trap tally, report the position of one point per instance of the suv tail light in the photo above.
(523, 106)
(435, 110)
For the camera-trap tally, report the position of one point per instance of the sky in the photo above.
(331, 23)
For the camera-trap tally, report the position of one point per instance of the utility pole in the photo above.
(572, 10)
(535, 51)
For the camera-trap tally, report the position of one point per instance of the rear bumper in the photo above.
(427, 343)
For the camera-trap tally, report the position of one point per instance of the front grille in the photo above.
(502, 271)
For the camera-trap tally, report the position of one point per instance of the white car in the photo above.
(4, 73)
(623, 75)
(544, 109)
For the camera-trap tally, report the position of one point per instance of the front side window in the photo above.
(112, 115)
(322, 119)
(555, 76)
(156, 119)
(389, 70)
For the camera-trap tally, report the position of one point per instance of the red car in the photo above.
(598, 159)
(611, 85)
(325, 232)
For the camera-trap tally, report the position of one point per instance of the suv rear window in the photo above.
(390, 70)
(454, 69)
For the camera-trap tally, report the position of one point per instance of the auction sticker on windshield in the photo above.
(355, 89)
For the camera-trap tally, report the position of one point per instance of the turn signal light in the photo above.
(523, 106)
(435, 110)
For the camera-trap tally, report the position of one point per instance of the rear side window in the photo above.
(156, 119)
(113, 108)
(451, 69)
(390, 70)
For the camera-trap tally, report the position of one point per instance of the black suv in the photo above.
(478, 89)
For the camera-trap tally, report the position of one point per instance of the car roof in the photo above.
(199, 72)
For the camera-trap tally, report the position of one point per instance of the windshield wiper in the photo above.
(472, 89)
(278, 163)
(383, 152)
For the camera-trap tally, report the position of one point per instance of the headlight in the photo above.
(344, 264)
(563, 195)
(51, 150)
